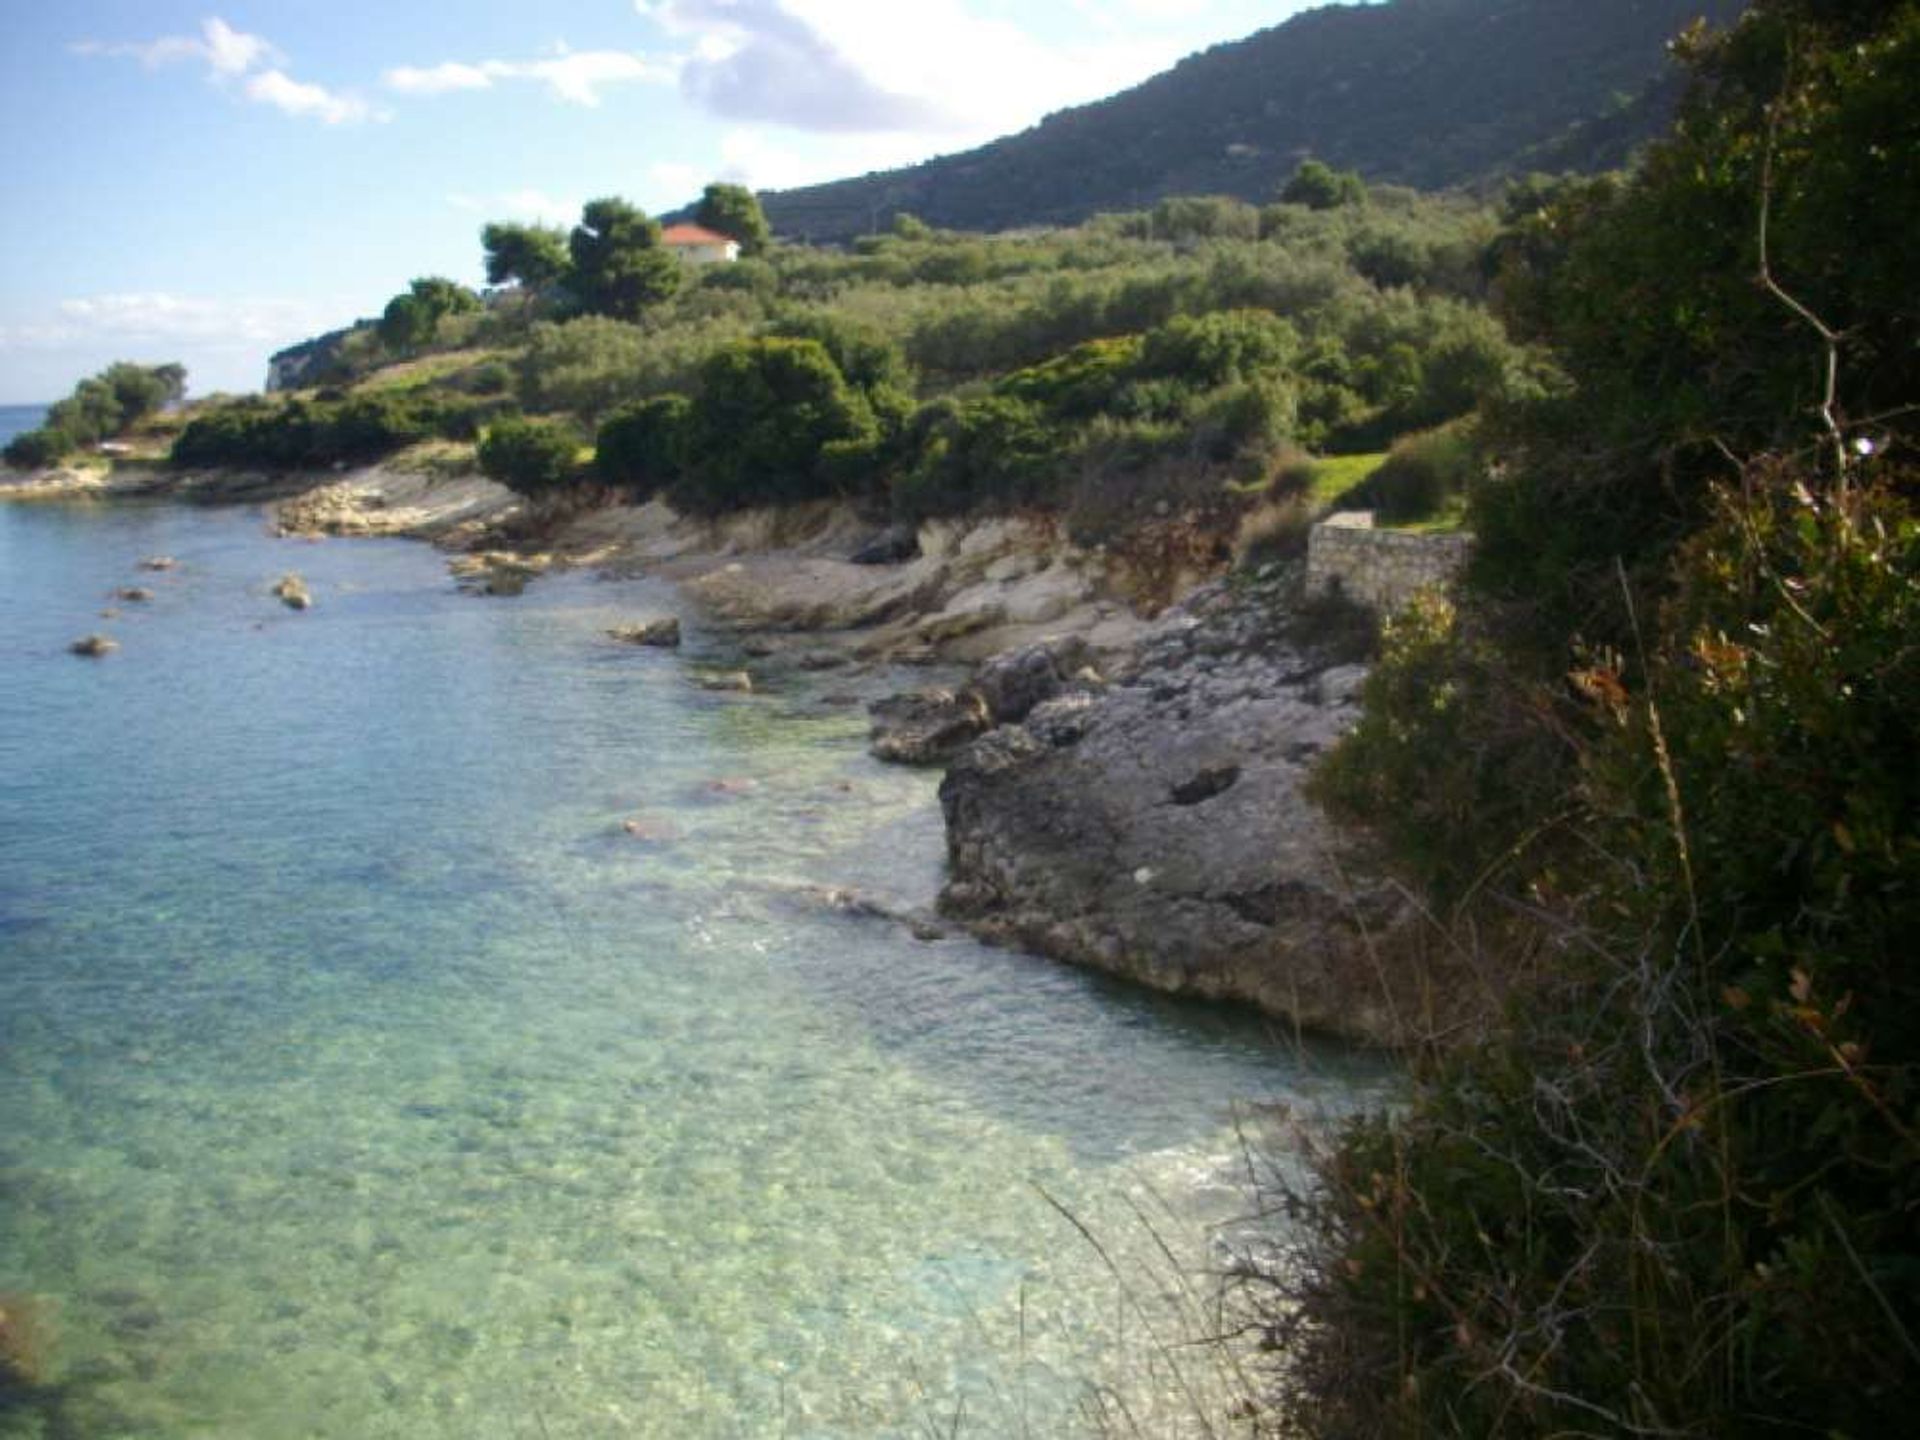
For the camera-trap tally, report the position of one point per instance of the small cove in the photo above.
(360, 1075)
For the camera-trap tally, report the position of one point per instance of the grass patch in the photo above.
(1334, 476)
(411, 374)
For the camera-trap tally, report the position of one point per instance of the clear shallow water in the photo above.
(360, 1076)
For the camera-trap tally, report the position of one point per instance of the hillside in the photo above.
(1428, 93)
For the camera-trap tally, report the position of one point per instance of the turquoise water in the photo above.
(360, 1075)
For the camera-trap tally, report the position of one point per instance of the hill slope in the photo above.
(1418, 92)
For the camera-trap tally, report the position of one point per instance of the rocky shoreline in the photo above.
(1124, 790)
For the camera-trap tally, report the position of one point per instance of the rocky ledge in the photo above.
(1154, 824)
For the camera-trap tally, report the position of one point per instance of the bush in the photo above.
(37, 449)
(764, 413)
(641, 447)
(1421, 475)
(320, 432)
(994, 452)
(529, 457)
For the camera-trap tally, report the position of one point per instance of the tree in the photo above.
(641, 447)
(529, 457)
(1318, 186)
(765, 412)
(100, 406)
(735, 210)
(413, 316)
(532, 256)
(619, 266)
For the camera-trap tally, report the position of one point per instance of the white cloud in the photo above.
(437, 79)
(574, 76)
(225, 50)
(294, 97)
(160, 317)
(936, 67)
(234, 55)
(230, 52)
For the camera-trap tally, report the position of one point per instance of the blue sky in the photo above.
(208, 184)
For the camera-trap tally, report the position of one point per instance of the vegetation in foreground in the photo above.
(1657, 770)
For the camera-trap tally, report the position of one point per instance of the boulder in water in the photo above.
(662, 631)
(94, 646)
(292, 592)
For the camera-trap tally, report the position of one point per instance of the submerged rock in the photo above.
(498, 572)
(737, 682)
(662, 631)
(133, 594)
(1157, 827)
(158, 562)
(23, 1360)
(292, 592)
(94, 646)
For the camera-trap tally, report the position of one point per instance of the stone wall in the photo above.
(1379, 568)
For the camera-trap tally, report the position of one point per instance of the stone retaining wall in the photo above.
(1379, 568)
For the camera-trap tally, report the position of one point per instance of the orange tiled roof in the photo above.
(693, 235)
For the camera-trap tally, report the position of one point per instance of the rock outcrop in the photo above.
(292, 592)
(1156, 827)
(661, 632)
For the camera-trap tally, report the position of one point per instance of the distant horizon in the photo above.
(289, 179)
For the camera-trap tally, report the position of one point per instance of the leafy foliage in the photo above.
(733, 210)
(619, 268)
(1320, 187)
(759, 426)
(101, 406)
(530, 457)
(1665, 746)
(642, 447)
(412, 318)
(532, 256)
(314, 433)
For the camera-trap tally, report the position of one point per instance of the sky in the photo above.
(211, 184)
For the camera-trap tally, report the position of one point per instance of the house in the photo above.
(698, 245)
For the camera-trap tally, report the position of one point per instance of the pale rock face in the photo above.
(1157, 827)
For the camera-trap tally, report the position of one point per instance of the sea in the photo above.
(364, 1073)
(16, 418)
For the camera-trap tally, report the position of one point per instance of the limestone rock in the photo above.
(662, 631)
(159, 562)
(1157, 827)
(1012, 683)
(292, 592)
(892, 546)
(498, 572)
(725, 681)
(926, 727)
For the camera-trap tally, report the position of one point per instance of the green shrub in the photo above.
(763, 415)
(1422, 475)
(992, 452)
(37, 449)
(641, 447)
(529, 457)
